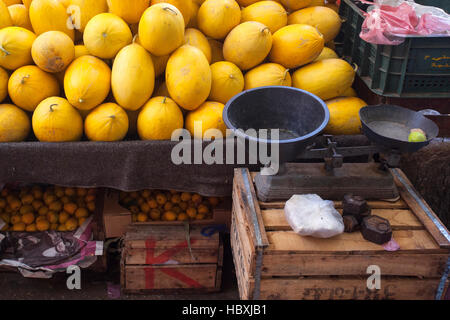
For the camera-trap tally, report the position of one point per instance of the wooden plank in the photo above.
(242, 274)
(314, 288)
(170, 277)
(419, 241)
(139, 256)
(274, 219)
(393, 264)
(168, 237)
(243, 232)
(376, 204)
(241, 176)
(437, 235)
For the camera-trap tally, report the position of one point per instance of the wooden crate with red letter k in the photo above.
(167, 259)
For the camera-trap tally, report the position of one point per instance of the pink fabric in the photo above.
(387, 24)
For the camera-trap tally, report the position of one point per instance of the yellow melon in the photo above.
(4, 77)
(227, 81)
(15, 47)
(161, 29)
(268, 74)
(197, 39)
(324, 19)
(159, 118)
(327, 53)
(5, 17)
(295, 4)
(270, 13)
(87, 82)
(14, 124)
(188, 77)
(50, 15)
(105, 35)
(248, 44)
(296, 45)
(107, 122)
(20, 16)
(216, 18)
(159, 64)
(207, 116)
(326, 79)
(344, 115)
(194, 12)
(216, 50)
(55, 120)
(29, 85)
(80, 50)
(133, 77)
(87, 10)
(130, 11)
(185, 7)
(53, 51)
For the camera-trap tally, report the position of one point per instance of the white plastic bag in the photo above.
(310, 215)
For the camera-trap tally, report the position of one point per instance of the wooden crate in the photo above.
(157, 259)
(273, 262)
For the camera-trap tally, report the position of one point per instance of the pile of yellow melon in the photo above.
(45, 208)
(162, 205)
(107, 68)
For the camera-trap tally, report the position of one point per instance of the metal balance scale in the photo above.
(301, 118)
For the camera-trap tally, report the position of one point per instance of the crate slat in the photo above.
(275, 220)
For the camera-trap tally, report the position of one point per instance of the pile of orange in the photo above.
(40, 208)
(159, 205)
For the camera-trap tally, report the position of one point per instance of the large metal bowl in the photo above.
(298, 114)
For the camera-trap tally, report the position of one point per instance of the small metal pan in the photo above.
(389, 126)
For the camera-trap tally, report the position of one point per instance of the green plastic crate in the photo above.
(417, 68)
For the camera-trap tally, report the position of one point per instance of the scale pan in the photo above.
(389, 126)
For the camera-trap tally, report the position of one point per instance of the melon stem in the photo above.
(23, 79)
(4, 50)
(51, 107)
(170, 9)
(285, 74)
(164, 100)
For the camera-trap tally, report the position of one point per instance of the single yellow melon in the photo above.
(248, 44)
(14, 124)
(53, 51)
(296, 45)
(227, 81)
(159, 118)
(161, 29)
(216, 18)
(105, 34)
(344, 115)
(207, 116)
(267, 74)
(107, 122)
(29, 85)
(188, 77)
(55, 120)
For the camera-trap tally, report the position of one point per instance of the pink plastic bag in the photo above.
(390, 21)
